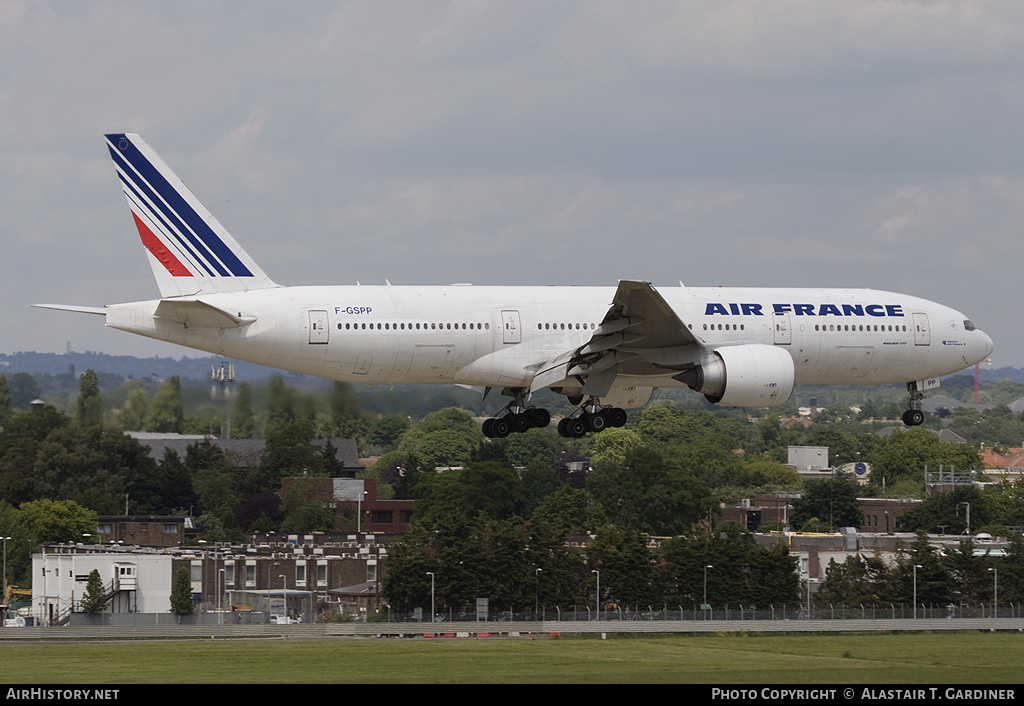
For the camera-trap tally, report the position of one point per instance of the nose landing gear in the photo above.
(914, 416)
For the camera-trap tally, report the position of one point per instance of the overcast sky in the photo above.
(733, 142)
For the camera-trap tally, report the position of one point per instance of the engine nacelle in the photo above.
(753, 375)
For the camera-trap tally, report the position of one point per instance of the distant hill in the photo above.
(997, 374)
(129, 366)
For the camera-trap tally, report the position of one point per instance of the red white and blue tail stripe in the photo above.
(189, 250)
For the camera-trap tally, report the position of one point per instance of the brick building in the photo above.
(141, 530)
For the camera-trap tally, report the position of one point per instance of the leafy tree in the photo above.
(213, 480)
(346, 416)
(970, 575)
(166, 413)
(388, 430)
(648, 492)
(5, 400)
(934, 585)
(569, 510)
(628, 572)
(1005, 501)
(843, 446)
(536, 446)
(290, 452)
(540, 479)
(741, 572)
(175, 484)
(464, 493)
(181, 594)
(281, 408)
(243, 425)
(19, 546)
(904, 455)
(136, 406)
(405, 581)
(51, 522)
(24, 388)
(307, 504)
(614, 446)
(857, 581)
(89, 410)
(260, 512)
(945, 512)
(97, 467)
(1011, 572)
(512, 562)
(833, 501)
(447, 437)
(94, 602)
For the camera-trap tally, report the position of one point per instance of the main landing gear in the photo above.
(518, 418)
(516, 422)
(592, 420)
(914, 417)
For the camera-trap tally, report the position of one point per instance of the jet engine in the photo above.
(752, 375)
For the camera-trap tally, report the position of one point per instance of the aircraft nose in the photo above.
(988, 346)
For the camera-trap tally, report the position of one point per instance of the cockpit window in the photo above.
(968, 326)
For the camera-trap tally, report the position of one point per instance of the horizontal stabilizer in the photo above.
(98, 310)
(193, 312)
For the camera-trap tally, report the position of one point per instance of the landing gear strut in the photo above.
(914, 417)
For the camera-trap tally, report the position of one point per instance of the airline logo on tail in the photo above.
(182, 241)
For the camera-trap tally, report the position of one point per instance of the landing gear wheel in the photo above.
(561, 427)
(539, 417)
(518, 422)
(488, 428)
(576, 428)
(616, 417)
(913, 417)
(499, 428)
(595, 422)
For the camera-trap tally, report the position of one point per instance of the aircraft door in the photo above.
(510, 326)
(783, 334)
(921, 335)
(318, 331)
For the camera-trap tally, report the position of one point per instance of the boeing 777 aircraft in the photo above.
(604, 348)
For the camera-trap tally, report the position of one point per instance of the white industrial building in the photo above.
(135, 582)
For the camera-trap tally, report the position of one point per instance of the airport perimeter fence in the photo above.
(887, 611)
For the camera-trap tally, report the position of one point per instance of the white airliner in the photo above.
(604, 348)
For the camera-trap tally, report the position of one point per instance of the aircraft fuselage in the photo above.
(496, 336)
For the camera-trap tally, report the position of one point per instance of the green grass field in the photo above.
(720, 659)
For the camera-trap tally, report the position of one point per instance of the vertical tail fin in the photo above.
(189, 250)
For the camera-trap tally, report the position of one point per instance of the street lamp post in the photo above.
(595, 571)
(284, 583)
(359, 511)
(706, 567)
(916, 567)
(431, 575)
(4, 587)
(220, 596)
(536, 593)
(968, 530)
(995, 601)
(3, 584)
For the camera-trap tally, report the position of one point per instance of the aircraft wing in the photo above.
(640, 335)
